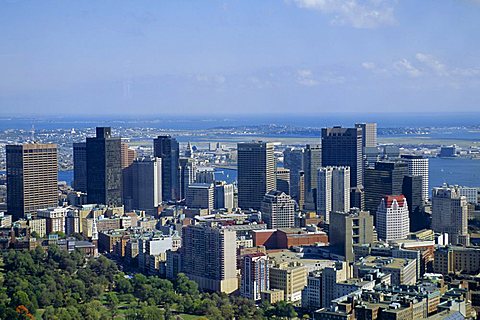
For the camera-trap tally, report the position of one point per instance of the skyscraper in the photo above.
(392, 221)
(104, 168)
(369, 142)
(200, 196)
(312, 161)
(142, 182)
(128, 155)
(32, 177)
(167, 148)
(188, 171)
(209, 256)
(369, 134)
(343, 147)
(224, 195)
(283, 180)
(349, 229)
(278, 210)
(256, 173)
(293, 160)
(254, 275)
(80, 166)
(450, 214)
(418, 166)
(386, 178)
(412, 190)
(333, 192)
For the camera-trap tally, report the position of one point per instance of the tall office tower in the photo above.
(333, 192)
(200, 196)
(254, 275)
(142, 185)
(357, 198)
(256, 173)
(278, 210)
(412, 190)
(224, 195)
(209, 257)
(450, 214)
(128, 155)
(104, 168)
(343, 147)
(349, 229)
(301, 189)
(393, 222)
(283, 180)
(167, 148)
(369, 143)
(471, 193)
(369, 134)
(188, 171)
(312, 161)
(293, 160)
(80, 166)
(385, 178)
(418, 166)
(32, 177)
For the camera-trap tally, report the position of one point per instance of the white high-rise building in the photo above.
(450, 214)
(278, 210)
(254, 275)
(393, 222)
(333, 191)
(418, 166)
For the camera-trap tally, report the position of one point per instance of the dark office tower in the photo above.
(357, 198)
(312, 161)
(80, 166)
(412, 190)
(104, 168)
(293, 160)
(167, 148)
(187, 175)
(301, 193)
(385, 178)
(32, 177)
(256, 173)
(283, 180)
(343, 147)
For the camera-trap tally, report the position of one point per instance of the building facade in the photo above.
(104, 168)
(32, 177)
(393, 222)
(167, 148)
(256, 173)
(278, 210)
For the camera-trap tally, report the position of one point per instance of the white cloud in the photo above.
(405, 66)
(432, 63)
(305, 78)
(357, 13)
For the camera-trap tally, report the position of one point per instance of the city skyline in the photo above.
(244, 57)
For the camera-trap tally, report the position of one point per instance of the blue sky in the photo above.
(228, 57)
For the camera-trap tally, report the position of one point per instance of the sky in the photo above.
(239, 57)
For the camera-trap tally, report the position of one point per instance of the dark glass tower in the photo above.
(104, 168)
(343, 147)
(167, 148)
(412, 190)
(385, 179)
(80, 166)
(312, 161)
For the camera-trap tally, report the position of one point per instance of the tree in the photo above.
(112, 303)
